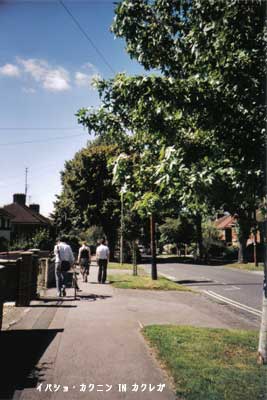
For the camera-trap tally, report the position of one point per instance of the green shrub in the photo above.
(230, 253)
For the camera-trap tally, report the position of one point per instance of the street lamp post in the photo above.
(123, 190)
(121, 238)
(154, 274)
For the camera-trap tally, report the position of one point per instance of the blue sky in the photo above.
(46, 66)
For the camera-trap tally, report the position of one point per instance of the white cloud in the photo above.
(86, 78)
(10, 70)
(49, 77)
(57, 80)
(52, 79)
(82, 79)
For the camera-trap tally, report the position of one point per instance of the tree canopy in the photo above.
(192, 134)
(88, 196)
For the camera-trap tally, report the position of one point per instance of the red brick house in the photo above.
(227, 227)
(26, 220)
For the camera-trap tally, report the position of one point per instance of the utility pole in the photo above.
(154, 274)
(122, 226)
(26, 182)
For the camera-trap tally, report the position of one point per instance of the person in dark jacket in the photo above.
(84, 260)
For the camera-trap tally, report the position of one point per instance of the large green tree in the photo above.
(168, 162)
(88, 196)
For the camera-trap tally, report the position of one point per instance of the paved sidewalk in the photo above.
(96, 340)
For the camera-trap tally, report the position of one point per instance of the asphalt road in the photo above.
(239, 289)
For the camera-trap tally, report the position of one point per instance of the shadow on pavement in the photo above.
(53, 299)
(52, 305)
(20, 352)
(93, 297)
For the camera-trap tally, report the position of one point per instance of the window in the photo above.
(228, 235)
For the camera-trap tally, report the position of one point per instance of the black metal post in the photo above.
(154, 274)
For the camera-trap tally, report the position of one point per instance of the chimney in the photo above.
(35, 208)
(19, 198)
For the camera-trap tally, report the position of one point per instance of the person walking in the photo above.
(84, 260)
(102, 257)
(63, 262)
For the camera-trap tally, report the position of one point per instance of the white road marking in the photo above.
(233, 303)
(232, 288)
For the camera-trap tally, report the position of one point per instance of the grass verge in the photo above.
(210, 364)
(125, 281)
(246, 267)
(115, 265)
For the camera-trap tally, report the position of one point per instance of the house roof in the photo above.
(24, 215)
(227, 221)
(39, 216)
(4, 213)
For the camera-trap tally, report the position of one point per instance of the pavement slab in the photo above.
(92, 347)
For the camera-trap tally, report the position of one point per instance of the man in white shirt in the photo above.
(63, 262)
(102, 257)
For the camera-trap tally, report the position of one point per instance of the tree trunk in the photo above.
(255, 249)
(154, 274)
(243, 232)
(112, 245)
(199, 235)
(134, 246)
(242, 258)
(262, 349)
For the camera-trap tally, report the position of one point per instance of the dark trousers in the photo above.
(102, 271)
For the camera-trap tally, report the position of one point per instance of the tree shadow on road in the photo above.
(20, 352)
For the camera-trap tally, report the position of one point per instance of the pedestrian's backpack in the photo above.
(85, 253)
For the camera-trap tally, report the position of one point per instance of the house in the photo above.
(5, 224)
(227, 227)
(26, 220)
(226, 224)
